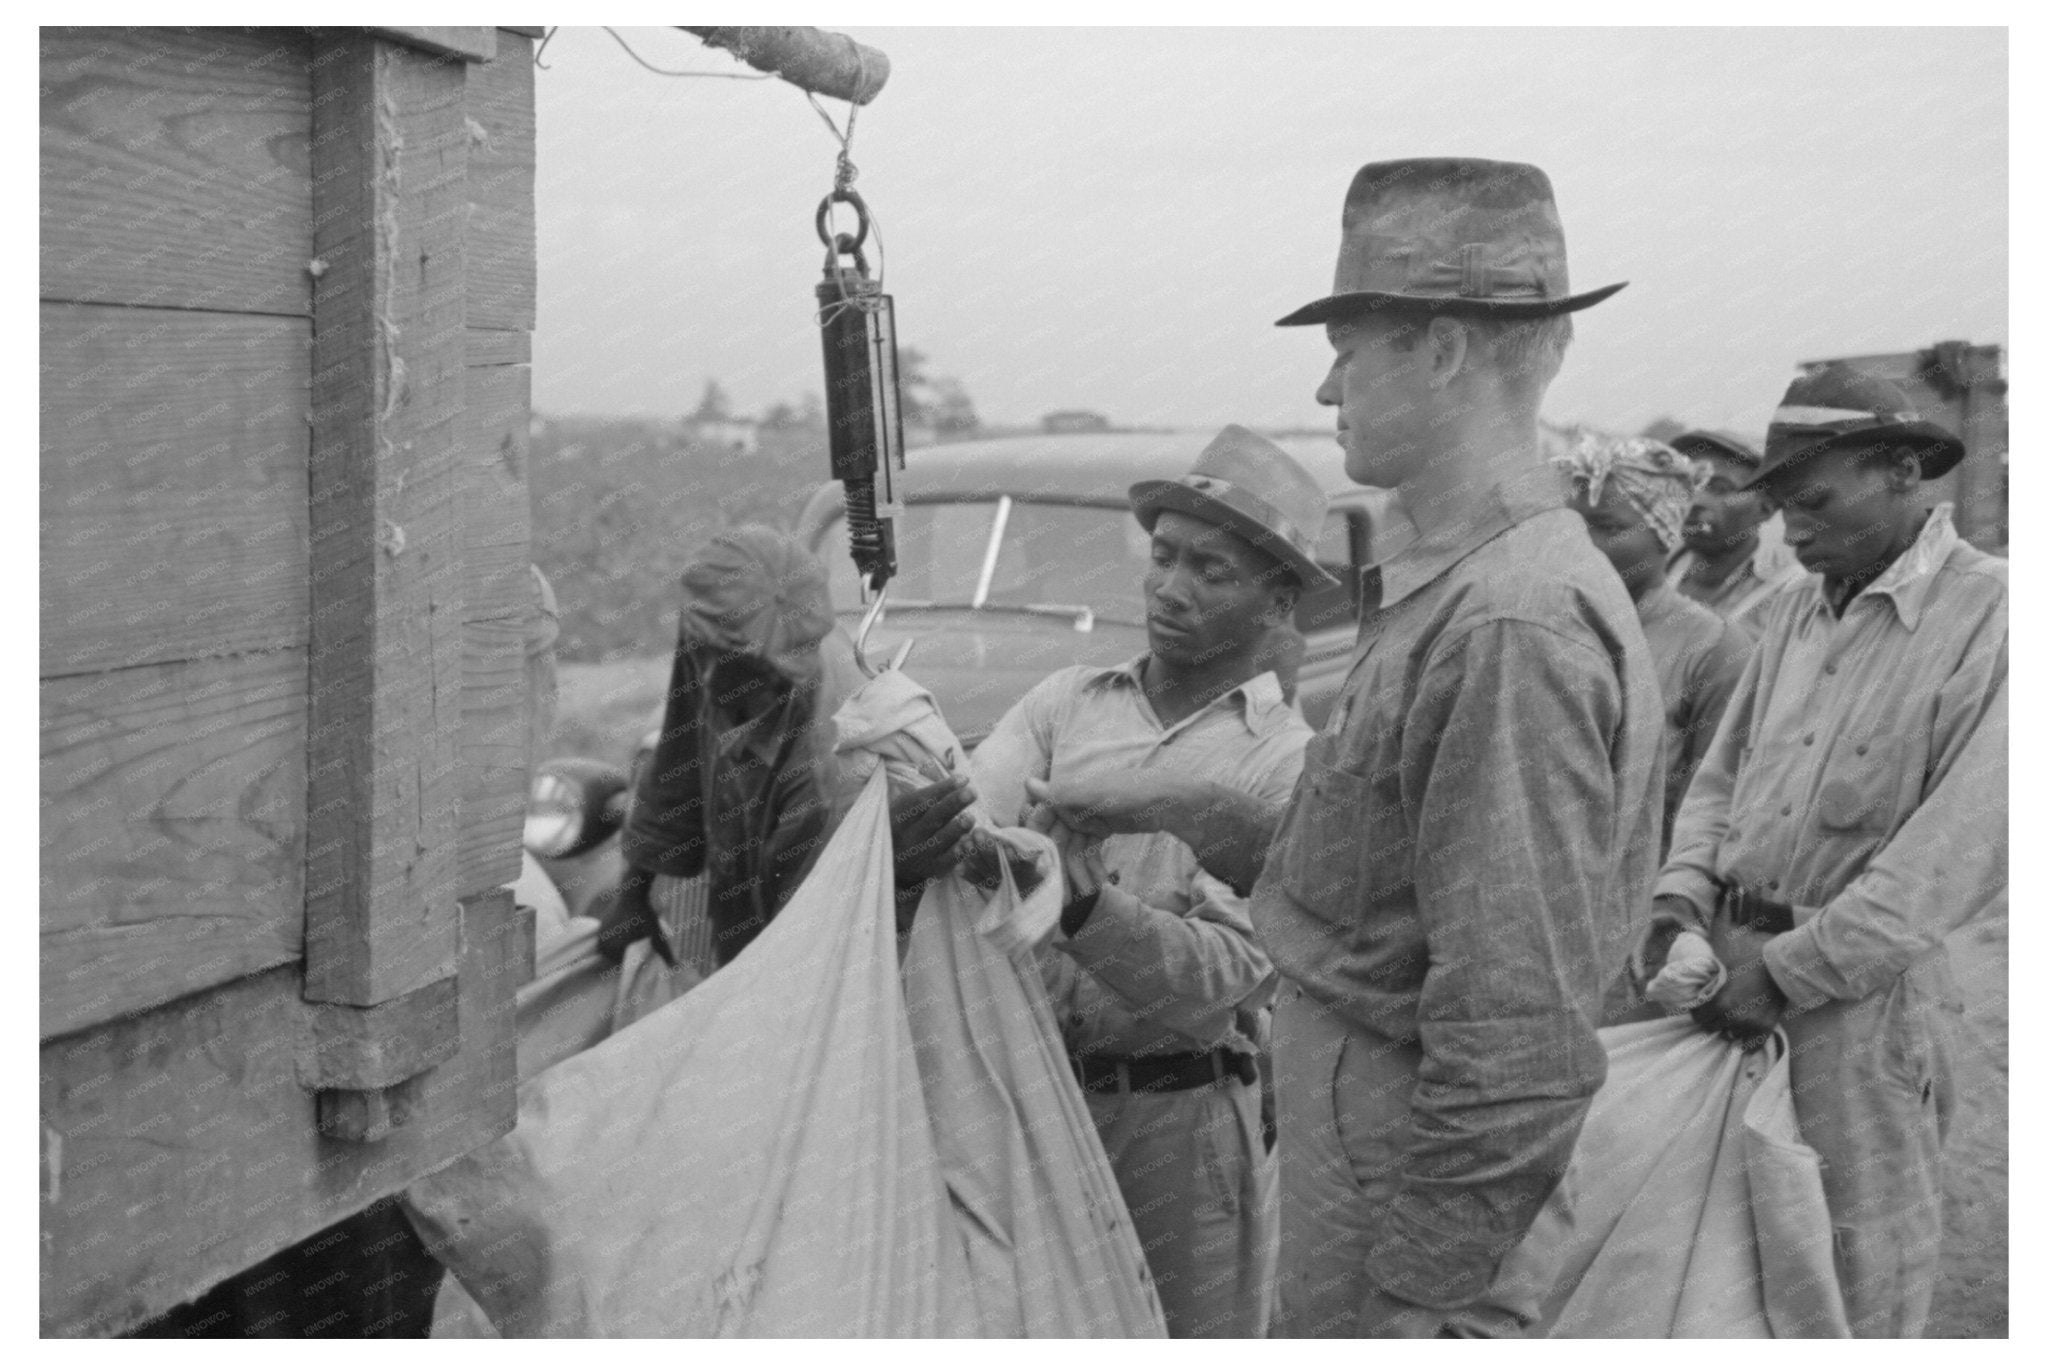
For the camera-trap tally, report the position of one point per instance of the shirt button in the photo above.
(1786, 811)
(1862, 749)
(1807, 740)
(1829, 670)
(1774, 886)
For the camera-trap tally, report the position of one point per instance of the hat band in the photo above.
(1795, 415)
(1250, 504)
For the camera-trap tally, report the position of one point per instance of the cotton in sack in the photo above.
(1051, 1249)
(1690, 1209)
(754, 1159)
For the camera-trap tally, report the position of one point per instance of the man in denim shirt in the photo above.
(1851, 815)
(1476, 827)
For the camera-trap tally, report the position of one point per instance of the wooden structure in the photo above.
(287, 286)
(1960, 387)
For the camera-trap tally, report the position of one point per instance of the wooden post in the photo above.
(385, 676)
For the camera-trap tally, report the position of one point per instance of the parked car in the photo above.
(1019, 555)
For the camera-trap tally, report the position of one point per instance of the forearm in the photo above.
(1186, 972)
(1228, 829)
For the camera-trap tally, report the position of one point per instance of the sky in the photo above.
(1112, 219)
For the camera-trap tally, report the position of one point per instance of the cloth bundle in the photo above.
(1691, 1207)
(814, 1142)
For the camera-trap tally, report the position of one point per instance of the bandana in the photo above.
(753, 590)
(1652, 477)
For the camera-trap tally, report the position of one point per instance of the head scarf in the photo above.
(1652, 477)
(753, 590)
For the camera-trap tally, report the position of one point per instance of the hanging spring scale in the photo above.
(863, 399)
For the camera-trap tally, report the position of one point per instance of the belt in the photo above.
(1179, 1071)
(1751, 909)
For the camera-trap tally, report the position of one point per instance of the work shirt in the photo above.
(1472, 839)
(1860, 772)
(1699, 658)
(1742, 595)
(1167, 959)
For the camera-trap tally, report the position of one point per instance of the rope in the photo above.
(664, 71)
(844, 173)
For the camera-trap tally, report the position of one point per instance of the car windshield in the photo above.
(1006, 554)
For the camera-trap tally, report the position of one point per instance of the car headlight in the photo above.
(572, 806)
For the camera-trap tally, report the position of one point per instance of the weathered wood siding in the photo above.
(287, 283)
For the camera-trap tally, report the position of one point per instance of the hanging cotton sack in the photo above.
(1051, 1249)
(754, 1159)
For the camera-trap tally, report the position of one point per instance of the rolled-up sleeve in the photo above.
(1945, 863)
(1506, 761)
(1188, 973)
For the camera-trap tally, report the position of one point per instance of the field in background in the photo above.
(606, 708)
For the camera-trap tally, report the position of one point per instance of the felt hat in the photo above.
(1701, 441)
(1839, 405)
(1243, 482)
(1450, 235)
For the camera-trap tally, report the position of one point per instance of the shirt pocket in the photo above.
(1325, 859)
(1859, 788)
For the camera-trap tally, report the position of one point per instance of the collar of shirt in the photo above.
(1260, 703)
(1499, 509)
(1908, 578)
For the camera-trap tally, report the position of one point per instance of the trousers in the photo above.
(1202, 1191)
(1873, 1087)
(1343, 1117)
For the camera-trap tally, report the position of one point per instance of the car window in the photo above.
(1050, 555)
(1336, 548)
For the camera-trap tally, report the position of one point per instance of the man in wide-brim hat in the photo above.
(1156, 978)
(1476, 827)
(1851, 815)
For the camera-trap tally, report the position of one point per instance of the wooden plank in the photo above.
(494, 754)
(386, 665)
(175, 168)
(173, 485)
(172, 836)
(369, 1047)
(180, 1145)
(488, 346)
(497, 526)
(470, 44)
(501, 225)
(498, 599)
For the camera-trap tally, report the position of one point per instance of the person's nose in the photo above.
(1330, 392)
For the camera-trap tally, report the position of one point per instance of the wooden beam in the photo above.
(390, 156)
(173, 831)
(173, 485)
(175, 168)
(808, 58)
(500, 236)
(180, 1145)
(470, 44)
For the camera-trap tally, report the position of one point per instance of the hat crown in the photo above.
(1243, 459)
(1720, 443)
(1452, 227)
(1248, 485)
(1848, 389)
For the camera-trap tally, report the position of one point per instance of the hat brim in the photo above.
(1152, 496)
(1939, 450)
(1338, 306)
(1707, 441)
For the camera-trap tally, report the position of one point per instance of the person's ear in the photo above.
(1449, 343)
